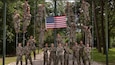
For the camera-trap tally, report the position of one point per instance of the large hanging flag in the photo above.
(56, 22)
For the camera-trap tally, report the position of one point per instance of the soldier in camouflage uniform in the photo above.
(88, 35)
(87, 50)
(27, 52)
(52, 57)
(81, 53)
(46, 54)
(26, 16)
(59, 38)
(16, 21)
(19, 53)
(85, 7)
(32, 46)
(66, 54)
(76, 49)
(59, 54)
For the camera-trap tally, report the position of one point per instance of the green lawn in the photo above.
(11, 59)
(99, 57)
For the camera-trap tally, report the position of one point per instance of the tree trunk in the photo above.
(102, 27)
(96, 29)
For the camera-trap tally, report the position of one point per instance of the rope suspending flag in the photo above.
(56, 22)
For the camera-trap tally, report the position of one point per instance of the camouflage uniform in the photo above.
(76, 55)
(46, 55)
(16, 21)
(52, 57)
(59, 38)
(26, 16)
(66, 55)
(32, 46)
(87, 54)
(82, 55)
(59, 54)
(85, 7)
(27, 51)
(19, 53)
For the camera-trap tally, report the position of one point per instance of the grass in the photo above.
(12, 59)
(99, 57)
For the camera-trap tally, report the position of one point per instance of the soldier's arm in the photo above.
(88, 4)
(17, 51)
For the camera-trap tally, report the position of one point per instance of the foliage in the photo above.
(102, 58)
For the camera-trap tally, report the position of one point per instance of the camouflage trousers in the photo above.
(76, 58)
(66, 59)
(88, 59)
(82, 59)
(19, 58)
(59, 59)
(52, 58)
(34, 52)
(28, 57)
(45, 59)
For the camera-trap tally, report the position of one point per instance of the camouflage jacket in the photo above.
(19, 51)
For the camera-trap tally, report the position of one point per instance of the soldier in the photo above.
(27, 52)
(85, 7)
(52, 57)
(76, 49)
(87, 54)
(19, 53)
(26, 16)
(41, 36)
(32, 45)
(46, 54)
(88, 36)
(59, 54)
(66, 54)
(16, 21)
(59, 39)
(81, 53)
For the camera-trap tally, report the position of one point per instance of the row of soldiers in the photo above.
(61, 54)
(26, 51)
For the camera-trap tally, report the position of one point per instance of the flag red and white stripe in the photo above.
(56, 22)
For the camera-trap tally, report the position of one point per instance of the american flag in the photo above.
(56, 22)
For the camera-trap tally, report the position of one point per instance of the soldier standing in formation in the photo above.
(59, 53)
(27, 52)
(87, 53)
(19, 53)
(52, 57)
(81, 53)
(66, 54)
(46, 54)
(32, 45)
(76, 55)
